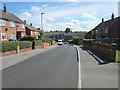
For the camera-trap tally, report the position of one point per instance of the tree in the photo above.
(67, 30)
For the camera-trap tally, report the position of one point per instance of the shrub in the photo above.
(76, 39)
(46, 39)
(38, 42)
(28, 38)
(8, 46)
(53, 42)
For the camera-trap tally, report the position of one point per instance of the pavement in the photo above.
(11, 60)
(56, 68)
(97, 72)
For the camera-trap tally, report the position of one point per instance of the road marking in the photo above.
(79, 68)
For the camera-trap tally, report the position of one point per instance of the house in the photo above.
(11, 27)
(106, 30)
(31, 30)
(62, 35)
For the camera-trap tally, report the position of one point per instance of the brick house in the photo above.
(62, 35)
(31, 30)
(11, 27)
(106, 29)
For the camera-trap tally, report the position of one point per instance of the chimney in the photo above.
(5, 8)
(112, 16)
(24, 22)
(102, 20)
(30, 24)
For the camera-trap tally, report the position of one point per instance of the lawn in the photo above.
(118, 56)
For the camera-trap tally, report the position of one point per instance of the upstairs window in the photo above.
(12, 24)
(2, 22)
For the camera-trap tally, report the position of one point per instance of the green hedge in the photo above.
(53, 42)
(118, 56)
(8, 46)
(38, 42)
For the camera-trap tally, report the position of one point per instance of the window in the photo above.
(106, 31)
(2, 22)
(23, 26)
(36, 32)
(4, 36)
(13, 36)
(12, 24)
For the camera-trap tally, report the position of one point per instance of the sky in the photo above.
(79, 16)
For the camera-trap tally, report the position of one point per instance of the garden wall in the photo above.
(106, 50)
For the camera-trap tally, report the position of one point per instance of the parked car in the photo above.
(65, 42)
(59, 42)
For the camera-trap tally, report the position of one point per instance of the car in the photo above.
(59, 42)
(65, 42)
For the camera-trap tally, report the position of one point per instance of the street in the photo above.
(57, 68)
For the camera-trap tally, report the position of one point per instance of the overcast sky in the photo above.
(79, 16)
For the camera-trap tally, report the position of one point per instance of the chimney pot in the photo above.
(5, 8)
(112, 16)
(102, 20)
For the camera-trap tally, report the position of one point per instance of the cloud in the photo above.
(25, 15)
(45, 5)
(50, 19)
(34, 8)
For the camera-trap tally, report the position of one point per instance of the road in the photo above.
(57, 68)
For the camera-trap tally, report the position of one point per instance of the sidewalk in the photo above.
(97, 72)
(8, 61)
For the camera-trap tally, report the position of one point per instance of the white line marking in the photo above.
(79, 69)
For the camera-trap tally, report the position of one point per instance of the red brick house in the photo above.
(11, 27)
(31, 30)
(106, 29)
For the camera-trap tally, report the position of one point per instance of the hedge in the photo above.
(38, 42)
(8, 46)
(53, 42)
(118, 56)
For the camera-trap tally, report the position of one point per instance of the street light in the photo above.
(42, 21)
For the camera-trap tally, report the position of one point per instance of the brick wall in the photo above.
(106, 50)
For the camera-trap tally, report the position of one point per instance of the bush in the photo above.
(38, 42)
(76, 39)
(118, 56)
(8, 46)
(28, 38)
(46, 39)
(53, 42)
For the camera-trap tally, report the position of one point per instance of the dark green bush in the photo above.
(28, 38)
(8, 46)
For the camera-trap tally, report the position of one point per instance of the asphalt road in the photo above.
(57, 68)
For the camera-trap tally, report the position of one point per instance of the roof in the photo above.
(31, 27)
(10, 17)
(106, 23)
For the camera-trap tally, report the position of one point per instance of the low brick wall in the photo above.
(106, 50)
(46, 44)
(80, 42)
(37, 47)
(8, 53)
(25, 49)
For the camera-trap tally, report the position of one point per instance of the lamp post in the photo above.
(42, 21)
